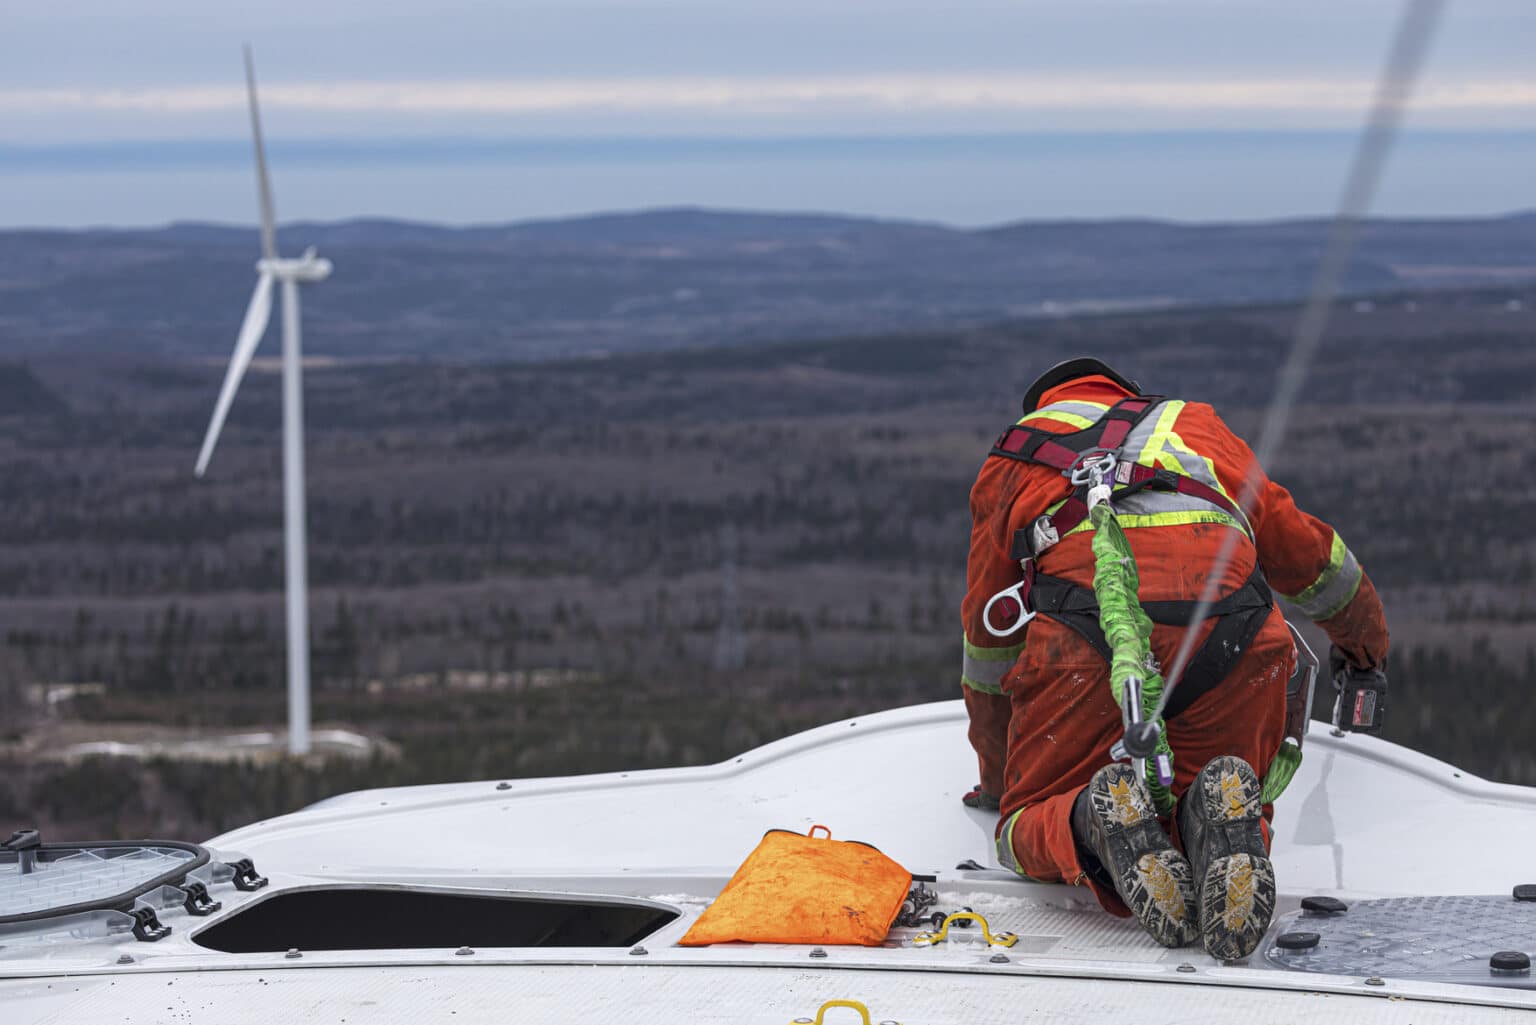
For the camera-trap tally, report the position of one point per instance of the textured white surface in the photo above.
(1362, 816)
(629, 995)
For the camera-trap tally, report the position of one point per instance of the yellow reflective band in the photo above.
(1063, 412)
(979, 687)
(1082, 423)
(1131, 521)
(1334, 588)
(981, 654)
(1338, 551)
(1344, 598)
(1164, 447)
(1336, 557)
(1005, 855)
(1152, 453)
(983, 669)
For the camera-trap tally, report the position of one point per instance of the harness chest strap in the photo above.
(1063, 452)
(1131, 478)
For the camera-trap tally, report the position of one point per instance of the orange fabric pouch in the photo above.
(806, 889)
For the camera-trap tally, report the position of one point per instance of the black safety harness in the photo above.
(1240, 615)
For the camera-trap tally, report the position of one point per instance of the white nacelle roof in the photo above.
(1363, 818)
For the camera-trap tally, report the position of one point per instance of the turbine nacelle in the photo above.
(307, 269)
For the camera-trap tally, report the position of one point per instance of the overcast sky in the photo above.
(91, 71)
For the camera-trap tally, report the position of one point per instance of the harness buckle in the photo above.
(1092, 467)
(1042, 535)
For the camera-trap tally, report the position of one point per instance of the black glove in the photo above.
(1361, 705)
(979, 798)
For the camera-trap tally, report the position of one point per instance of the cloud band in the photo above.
(785, 96)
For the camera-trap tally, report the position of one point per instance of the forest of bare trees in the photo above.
(520, 569)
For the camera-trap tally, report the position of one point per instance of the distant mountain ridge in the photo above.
(671, 277)
(702, 223)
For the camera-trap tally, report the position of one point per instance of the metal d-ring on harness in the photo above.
(1014, 601)
(1090, 471)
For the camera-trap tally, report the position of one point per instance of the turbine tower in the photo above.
(291, 273)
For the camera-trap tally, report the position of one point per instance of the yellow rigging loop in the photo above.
(928, 939)
(852, 1005)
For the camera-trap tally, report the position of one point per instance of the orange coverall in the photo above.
(1042, 719)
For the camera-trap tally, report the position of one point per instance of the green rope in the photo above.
(1127, 629)
(1281, 771)
(1126, 626)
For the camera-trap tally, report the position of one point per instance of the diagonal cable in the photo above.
(1415, 30)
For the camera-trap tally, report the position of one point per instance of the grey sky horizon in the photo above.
(101, 73)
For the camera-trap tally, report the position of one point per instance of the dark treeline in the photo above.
(521, 569)
(611, 724)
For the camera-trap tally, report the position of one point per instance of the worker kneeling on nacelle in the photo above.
(1097, 520)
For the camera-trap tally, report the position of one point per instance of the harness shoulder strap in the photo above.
(1228, 641)
(1061, 450)
(1108, 433)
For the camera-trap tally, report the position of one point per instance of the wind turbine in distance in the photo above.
(291, 273)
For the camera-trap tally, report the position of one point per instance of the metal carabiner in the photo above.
(1016, 593)
(1139, 741)
(1091, 468)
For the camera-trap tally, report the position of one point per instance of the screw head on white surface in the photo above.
(1512, 961)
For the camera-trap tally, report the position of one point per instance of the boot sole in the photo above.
(1150, 875)
(1237, 891)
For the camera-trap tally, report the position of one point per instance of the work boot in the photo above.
(1219, 823)
(1123, 844)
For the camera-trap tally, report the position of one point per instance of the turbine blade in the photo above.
(264, 185)
(251, 329)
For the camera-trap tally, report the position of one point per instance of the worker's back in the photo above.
(1175, 538)
(1036, 676)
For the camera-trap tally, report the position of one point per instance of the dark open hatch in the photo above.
(375, 918)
